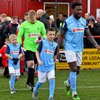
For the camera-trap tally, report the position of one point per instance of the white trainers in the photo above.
(12, 91)
(51, 99)
(34, 95)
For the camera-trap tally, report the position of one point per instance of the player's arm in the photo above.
(37, 53)
(91, 39)
(20, 53)
(20, 33)
(43, 31)
(55, 54)
(8, 52)
(61, 36)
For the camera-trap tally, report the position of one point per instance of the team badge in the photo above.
(53, 47)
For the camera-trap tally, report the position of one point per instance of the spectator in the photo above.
(97, 29)
(25, 17)
(3, 24)
(4, 58)
(91, 22)
(12, 27)
(44, 18)
(59, 21)
(2, 16)
(86, 16)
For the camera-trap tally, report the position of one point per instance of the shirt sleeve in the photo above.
(64, 26)
(43, 31)
(86, 25)
(55, 53)
(20, 33)
(8, 50)
(20, 51)
(40, 46)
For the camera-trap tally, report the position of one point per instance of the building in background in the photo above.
(19, 7)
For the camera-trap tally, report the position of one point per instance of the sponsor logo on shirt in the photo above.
(78, 30)
(33, 35)
(48, 51)
(14, 52)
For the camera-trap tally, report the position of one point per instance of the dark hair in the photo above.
(51, 29)
(14, 17)
(6, 39)
(74, 4)
(26, 14)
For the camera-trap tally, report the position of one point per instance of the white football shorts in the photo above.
(12, 70)
(72, 56)
(42, 76)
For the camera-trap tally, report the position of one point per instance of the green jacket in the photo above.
(31, 33)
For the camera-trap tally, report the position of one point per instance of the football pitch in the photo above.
(88, 87)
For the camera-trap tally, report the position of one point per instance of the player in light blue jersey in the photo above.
(13, 52)
(72, 31)
(46, 57)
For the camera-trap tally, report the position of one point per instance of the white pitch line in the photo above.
(61, 88)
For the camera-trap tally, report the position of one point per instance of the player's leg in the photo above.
(51, 77)
(30, 58)
(79, 61)
(17, 73)
(41, 80)
(70, 57)
(12, 80)
(73, 78)
(72, 61)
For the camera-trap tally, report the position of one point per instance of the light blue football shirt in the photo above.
(13, 51)
(74, 33)
(47, 51)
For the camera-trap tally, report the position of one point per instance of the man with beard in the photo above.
(73, 30)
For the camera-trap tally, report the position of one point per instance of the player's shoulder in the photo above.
(39, 23)
(69, 19)
(55, 43)
(18, 44)
(25, 22)
(83, 19)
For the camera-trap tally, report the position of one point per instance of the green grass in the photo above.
(88, 87)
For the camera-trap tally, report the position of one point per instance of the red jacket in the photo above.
(4, 58)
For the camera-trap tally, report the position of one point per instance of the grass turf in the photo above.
(88, 87)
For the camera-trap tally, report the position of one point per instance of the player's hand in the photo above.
(40, 63)
(97, 46)
(15, 60)
(58, 56)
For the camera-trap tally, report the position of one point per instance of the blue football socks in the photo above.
(12, 81)
(73, 80)
(51, 87)
(38, 84)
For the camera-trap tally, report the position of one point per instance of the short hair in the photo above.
(3, 15)
(39, 11)
(51, 29)
(12, 36)
(26, 14)
(74, 4)
(6, 39)
(31, 13)
(14, 17)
